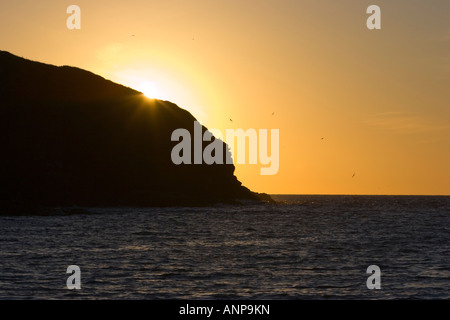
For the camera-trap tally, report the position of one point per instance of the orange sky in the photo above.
(380, 98)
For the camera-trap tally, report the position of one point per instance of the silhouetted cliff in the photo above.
(70, 137)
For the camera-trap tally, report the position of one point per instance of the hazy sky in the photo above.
(380, 99)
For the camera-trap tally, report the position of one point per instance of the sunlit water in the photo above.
(310, 247)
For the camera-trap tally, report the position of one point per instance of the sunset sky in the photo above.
(380, 99)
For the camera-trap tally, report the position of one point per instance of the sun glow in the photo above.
(149, 89)
(139, 80)
(161, 85)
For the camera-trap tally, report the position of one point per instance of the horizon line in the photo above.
(360, 194)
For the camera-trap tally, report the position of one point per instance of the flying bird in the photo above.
(353, 175)
(231, 120)
(273, 113)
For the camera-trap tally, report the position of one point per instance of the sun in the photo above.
(161, 85)
(149, 89)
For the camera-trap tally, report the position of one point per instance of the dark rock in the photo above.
(69, 137)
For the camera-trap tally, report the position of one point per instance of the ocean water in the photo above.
(306, 247)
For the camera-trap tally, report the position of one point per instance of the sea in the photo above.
(309, 247)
